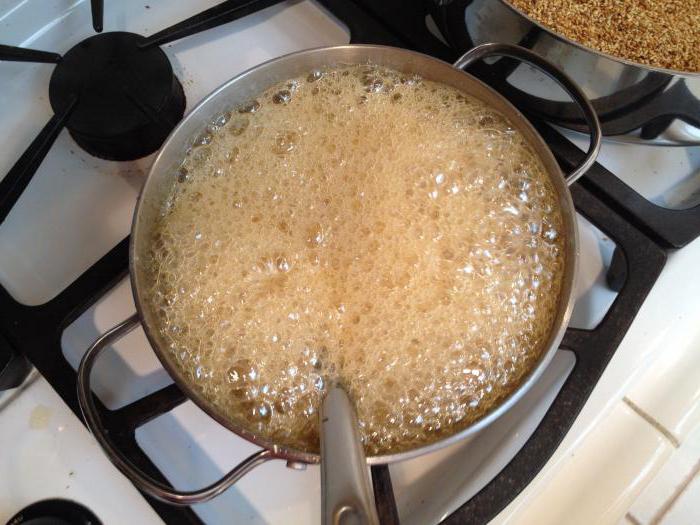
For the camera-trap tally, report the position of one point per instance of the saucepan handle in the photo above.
(574, 91)
(143, 482)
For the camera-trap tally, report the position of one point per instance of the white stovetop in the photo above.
(636, 431)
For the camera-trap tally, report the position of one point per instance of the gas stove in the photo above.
(63, 264)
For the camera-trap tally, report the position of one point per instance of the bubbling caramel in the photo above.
(360, 225)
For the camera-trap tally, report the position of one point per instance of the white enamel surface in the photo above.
(686, 508)
(48, 454)
(676, 481)
(667, 319)
(78, 208)
(669, 389)
(127, 371)
(611, 483)
(593, 297)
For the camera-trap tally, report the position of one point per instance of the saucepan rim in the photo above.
(335, 56)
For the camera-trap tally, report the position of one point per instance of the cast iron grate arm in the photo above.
(220, 14)
(22, 54)
(98, 9)
(19, 176)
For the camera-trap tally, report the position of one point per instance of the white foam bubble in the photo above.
(357, 224)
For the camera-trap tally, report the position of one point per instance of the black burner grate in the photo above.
(120, 100)
(33, 333)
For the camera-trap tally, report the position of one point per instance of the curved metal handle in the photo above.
(143, 482)
(575, 92)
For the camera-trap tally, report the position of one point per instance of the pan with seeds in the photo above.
(637, 60)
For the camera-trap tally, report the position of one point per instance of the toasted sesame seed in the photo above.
(660, 33)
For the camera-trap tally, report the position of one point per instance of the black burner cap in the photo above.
(55, 512)
(128, 98)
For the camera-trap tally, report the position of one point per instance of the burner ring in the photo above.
(128, 98)
(55, 512)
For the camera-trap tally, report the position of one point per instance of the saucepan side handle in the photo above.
(574, 91)
(143, 482)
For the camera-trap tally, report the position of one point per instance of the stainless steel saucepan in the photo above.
(635, 102)
(238, 91)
